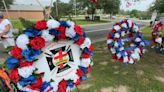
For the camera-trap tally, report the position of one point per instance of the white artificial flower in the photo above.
(70, 32)
(113, 50)
(117, 27)
(87, 43)
(52, 24)
(22, 41)
(47, 36)
(109, 41)
(117, 35)
(71, 23)
(130, 22)
(25, 72)
(124, 25)
(158, 40)
(136, 28)
(125, 59)
(138, 39)
(119, 55)
(85, 62)
(131, 61)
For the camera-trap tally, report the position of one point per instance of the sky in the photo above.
(142, 5)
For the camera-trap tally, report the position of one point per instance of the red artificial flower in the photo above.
(25, 64)
(62, 86)
(41, 25)
(78, 30)
(89, 69)
(38, 84)
(79, 73)
(85, 55)
(78, 82)
(62, 31)
(108, 46)
(91, 47)
(80, 41)
(114, 31)
(16, 52)
(118, 23)
(120, 59)
(126, 21)
(114, 57)
(109, 36)
(37, 43)
(14, 75)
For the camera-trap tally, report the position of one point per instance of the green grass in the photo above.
(103, 76)
(147, 30)
(139, 77)
(84, 22)
(18, 25)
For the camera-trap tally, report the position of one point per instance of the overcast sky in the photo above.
(142, 5)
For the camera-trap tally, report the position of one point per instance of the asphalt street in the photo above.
(97, 32)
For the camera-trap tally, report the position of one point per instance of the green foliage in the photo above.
(110, 6)
(140, 14)
(26, 23)
(64, 9)
(8, 3)
(158, 5)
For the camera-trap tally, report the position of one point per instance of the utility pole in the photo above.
(4, 3)
(75, 8)
(56, 4)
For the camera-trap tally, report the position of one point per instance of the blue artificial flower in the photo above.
(117, 49)
(27, 81)
(84, 34)
(84, 69)
(30, 54)
(111, 44)
(64, 23)
(83, 78)
(12, 62)
(32, 32)
(138, 34)
(123, 53)
(86, 50)
(45, 85)
(54, 32)
(76, 37)
(70, 83)
(146, 42)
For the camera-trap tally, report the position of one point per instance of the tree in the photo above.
(158, 5)
(135, 13)
(8, 3)
(110, 6)
(64, 9)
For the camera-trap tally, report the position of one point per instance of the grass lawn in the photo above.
(108, 75)
(18, 25)
(147, 30)
(84, 22)
(111, 76)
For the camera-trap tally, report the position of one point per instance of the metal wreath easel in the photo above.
(47, 14)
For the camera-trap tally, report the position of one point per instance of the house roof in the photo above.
(25, 8)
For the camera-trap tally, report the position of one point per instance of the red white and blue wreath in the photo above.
(157, 39)
(52, 56)
(122, 32)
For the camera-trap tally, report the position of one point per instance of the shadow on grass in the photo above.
(139, 77)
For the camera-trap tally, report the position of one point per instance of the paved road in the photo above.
(97, 32)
